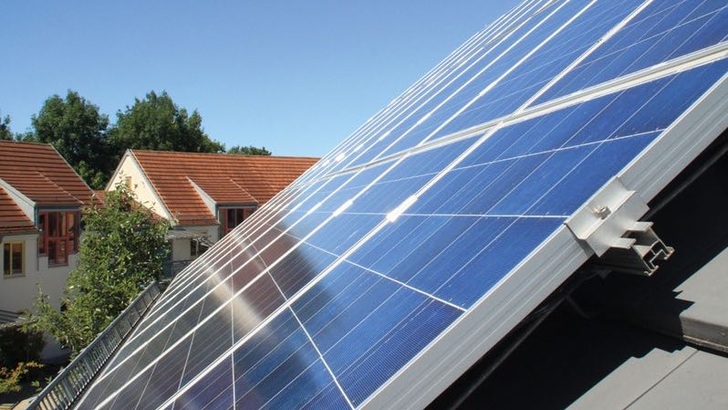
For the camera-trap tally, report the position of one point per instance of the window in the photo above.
(127, 182)
(232, 217)
(59, 235)
(196, 248)
(12, 258)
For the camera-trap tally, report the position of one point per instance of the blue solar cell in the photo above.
(208, 342)
(714, 28)
(504, 57)
(215, 392)
(553, 169)
(402, 249)
(300, 267)
(162, 381)
(371, 327)
(542, 66)
(437, 270)
(479, 274)
(674, 97)
(662, 31)
(278, 367)
(337, 235)
(602, 164)
(259, 301)
(497, 179)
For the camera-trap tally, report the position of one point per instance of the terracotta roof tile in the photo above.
(227, 179)
(40, 173)
(12, 219)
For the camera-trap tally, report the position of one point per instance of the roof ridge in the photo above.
(243, 189)
(26, 143)
(59, 187)
(167, 152)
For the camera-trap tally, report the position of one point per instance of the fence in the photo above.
(68, 386)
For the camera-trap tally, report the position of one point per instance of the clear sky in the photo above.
(296, 77)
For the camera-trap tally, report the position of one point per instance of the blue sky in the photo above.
(295, 77)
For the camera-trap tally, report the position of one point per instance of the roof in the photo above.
(40, 173)
(12, 219)
(226, 179)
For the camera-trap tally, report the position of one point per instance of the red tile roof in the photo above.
(227, 179)
(40, 173)
(12, 219)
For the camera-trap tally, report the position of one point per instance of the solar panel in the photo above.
(402, 257)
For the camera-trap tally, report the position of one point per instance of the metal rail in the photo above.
(68, 386)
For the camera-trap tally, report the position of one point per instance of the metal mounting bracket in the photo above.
(609, 225)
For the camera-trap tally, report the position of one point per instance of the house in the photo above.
(203, 195)
(41, 198)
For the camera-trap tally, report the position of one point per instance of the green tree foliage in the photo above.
(123, 250)
(5, 133)
(19, 350)
(77, 130)
(156, 123)
(249, 150)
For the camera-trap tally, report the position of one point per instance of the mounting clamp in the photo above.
(609, 225)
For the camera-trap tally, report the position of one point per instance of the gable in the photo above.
(12, 219)
(178, 177)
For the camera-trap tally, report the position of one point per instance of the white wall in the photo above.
(180, 250)
(19, 292)
(141, 186)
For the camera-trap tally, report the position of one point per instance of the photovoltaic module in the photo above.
(403, 256)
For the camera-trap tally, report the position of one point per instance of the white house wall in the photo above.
(180, 250)
(19, 292)
(140, 184)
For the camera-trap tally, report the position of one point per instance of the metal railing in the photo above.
(172, 268)
(68, 386)
(8, 318)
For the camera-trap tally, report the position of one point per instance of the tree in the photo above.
(122, 251)
(5, 133)
(156, 123)
(249, 150)
(77, 130)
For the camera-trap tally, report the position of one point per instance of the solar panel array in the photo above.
(392, 265)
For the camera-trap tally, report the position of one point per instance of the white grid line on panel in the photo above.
(395, 281)
(284, 307)
(410, 287)
(232, 359)
(472, 77)
(520, 62)
(421, 88)
(261, 274)
(463, 215)
(614, 30)
(665, 69)
(451, 73)
(211, 275)
(659, 35)
(321, 356)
